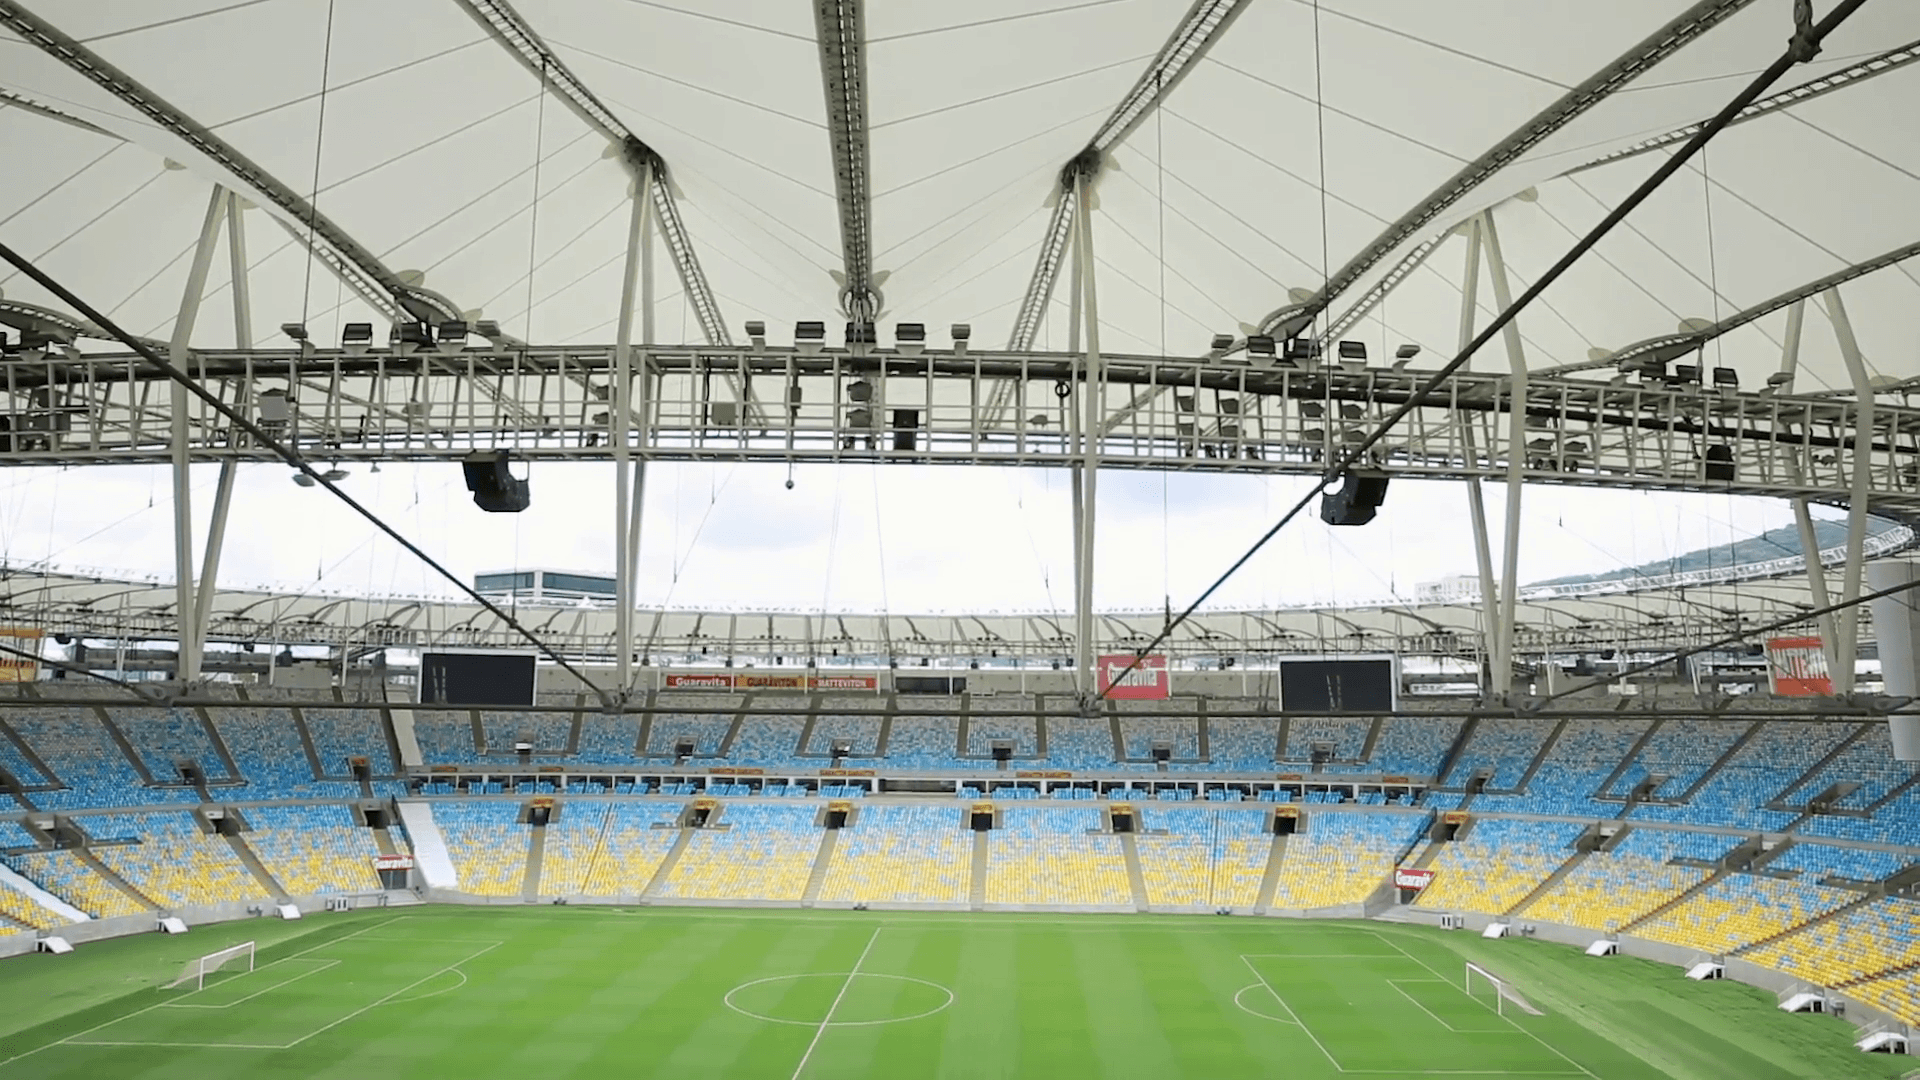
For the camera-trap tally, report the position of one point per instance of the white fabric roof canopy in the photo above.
(439, 154)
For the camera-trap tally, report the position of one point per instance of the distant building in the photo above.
(1452, 589)
(545, 586)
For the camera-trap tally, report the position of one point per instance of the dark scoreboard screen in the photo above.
(1364, 684)
(457, 678)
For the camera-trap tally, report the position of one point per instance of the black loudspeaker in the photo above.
(1354, 504)
(494, 488)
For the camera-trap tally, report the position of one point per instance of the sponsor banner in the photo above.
(845, 806)
(1291, 776)
(846, 682)
(1797, 667)
(1396, 780)
(846, 772)
(699, 682)
(1042, 774)
(737, 770)
(15, 668)
(1148, 682)
(1412, 880)
(1454, 817)
(1287, 811)
(393, 862)
(544, 802)
(443, 768)
(552, 768)
(769, 682)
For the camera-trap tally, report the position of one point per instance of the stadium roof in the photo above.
(1284, 152)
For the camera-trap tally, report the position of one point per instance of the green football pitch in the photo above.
(477, 993)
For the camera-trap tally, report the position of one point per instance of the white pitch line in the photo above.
(390, 997)
(1331, 1060)
(844, 987)
(150, 1008)
(325, 965)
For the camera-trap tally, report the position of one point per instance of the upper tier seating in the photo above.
(166, 737)
(1580, 760)
(1682, 751)
(1347, 737)
(918, 743)
(1141, 732)
(1502, 748)
(547, 732)
(1769, 762)
(1413, 745)
(78, 748)
(340, 734)
(1243, 744)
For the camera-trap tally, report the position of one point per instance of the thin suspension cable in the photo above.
(319, 143)
(292, 457)
(1320, 136)
(533, 223)
(1640, 194)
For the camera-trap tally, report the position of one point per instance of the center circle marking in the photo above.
(843, 976)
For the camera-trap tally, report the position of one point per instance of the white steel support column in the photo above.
(1516, 458)
(1476, 502)
(642, 420)
(181, 357)
(1092, 400)
(626, 510)
(241, 290)
(1859, 474)
(1802, 511)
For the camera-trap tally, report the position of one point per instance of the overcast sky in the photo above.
(854, 538)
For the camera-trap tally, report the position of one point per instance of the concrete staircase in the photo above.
(977, 890)
(1130, 848)
(536, 857)
(244, 852)
(829, 839)
(1270, 881)
(665, 869)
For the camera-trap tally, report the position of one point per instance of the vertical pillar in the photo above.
(643, 408)
(1896, 629)
(1093, 401)
(1802, 512)
(1516, 457)
(242, 291)
(626, 513)
(1476, 503)
(1860, 475)
(181, 357)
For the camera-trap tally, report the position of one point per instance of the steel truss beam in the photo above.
(1637, 61)
(520, 40)
(417, 302)
(1677, 345)
(1203, 25)
(843, 75)
(1215, 415)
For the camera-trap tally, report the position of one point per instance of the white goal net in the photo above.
(237, 958)
(1502, 993)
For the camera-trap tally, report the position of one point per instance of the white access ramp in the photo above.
(429, 846)
(172, 924)
(1496, 930)
(58, 946)
(1804, 1001)
(1883, 1042)
(1706, 969)
(1603, 947)
(286, 911)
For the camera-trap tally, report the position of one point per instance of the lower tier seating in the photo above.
(487, 844)
(1048, 857)
(901, 854)
(1497, 864)
(764, 853)
(314, 850)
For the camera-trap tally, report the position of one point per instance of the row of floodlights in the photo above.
(407, 337)
(909, 338)
(1304, 351)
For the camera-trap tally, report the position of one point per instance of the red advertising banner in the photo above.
(699, 682)
(769, 682)
(1797, 667)
(393, 862)
(1414, 880)
(1150, 681)
(846, 682)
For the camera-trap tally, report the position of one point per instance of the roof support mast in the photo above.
(1669, 39)
(514, 34)
(843, 76)
(331, 244)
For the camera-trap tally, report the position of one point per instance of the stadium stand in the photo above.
(1243, 744)
(1346, 736)
(487, 844)
(1413, 745)
(901, 854)
(1610, 889)
(445, 737)
(1881, 936)
(1139, 733)
(1496, 864)
(547, 732)
(77, 747)
(1177, 865)
(923, 742)
(166, 737)
(1742, 909)
(572, 847)
(1503, 749)
(862, 731)
(1867, 761)
(1046, 856)
(63, 874)
(1737, 793)
(635, 839)
(340, 734)
(313, 850)
(763, 853)
(1578, 763)
(1079, 743)
(175, 863)
(772, 741)
(707, 730)
(1681, 751)
(266, 744)
(1341, 857)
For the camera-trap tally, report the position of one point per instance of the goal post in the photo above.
(1499, 988)
(238, 957)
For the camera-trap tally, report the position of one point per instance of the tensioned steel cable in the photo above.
(1802, 46)
(286, 453)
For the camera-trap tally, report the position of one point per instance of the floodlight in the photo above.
(1780, 378)
(1726, 378)
(757, 333)
(1221, 343)
(356, 338)
(861, 333)
(1406, 352)
(334, 475)
(294, 330)
(1301, 350)
(303, 479)
(1353, 350)
(407, 337)
(453, 336)
(809, 337)
(961, 333)
(861, 391)
(1260, 346)
(1687, 374)
(910, 338)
